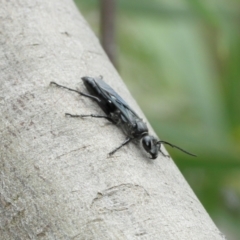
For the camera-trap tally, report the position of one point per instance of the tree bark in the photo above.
(56, 179)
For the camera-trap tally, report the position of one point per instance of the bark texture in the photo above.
(56, 179)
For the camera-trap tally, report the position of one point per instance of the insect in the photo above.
(120, 113)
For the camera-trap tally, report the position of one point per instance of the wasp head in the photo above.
(151, 145)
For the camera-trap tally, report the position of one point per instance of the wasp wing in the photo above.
(116, 100)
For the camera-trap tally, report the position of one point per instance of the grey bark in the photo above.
(56, 179)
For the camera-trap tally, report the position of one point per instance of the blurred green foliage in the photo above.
(181, 61)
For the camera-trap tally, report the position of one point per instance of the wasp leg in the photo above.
(124, 143)
(73, 90)
(90, 115)
(164, 154)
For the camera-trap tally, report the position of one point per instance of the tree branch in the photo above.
(56, 179)
(108, 28)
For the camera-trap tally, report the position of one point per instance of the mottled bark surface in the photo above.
(56, 179)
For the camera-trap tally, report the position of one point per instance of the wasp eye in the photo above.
(146, 142)
(149, 144)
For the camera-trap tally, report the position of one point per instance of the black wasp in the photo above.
(118, 112)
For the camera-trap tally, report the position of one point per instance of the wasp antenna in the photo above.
(174, 146)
